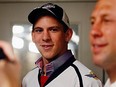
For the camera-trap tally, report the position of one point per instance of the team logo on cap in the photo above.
(48, 6)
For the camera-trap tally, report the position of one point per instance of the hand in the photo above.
(9, 68)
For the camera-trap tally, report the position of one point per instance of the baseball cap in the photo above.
(52, 9)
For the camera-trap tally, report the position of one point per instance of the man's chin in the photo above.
(97, 61)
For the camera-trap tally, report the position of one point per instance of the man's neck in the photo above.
(112, 74)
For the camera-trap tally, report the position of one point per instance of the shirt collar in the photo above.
(52, 66)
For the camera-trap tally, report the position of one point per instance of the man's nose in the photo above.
(46, 36)
(96, 30)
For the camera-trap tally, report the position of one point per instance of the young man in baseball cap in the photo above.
(57, 66)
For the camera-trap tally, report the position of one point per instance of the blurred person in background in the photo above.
(10, 69)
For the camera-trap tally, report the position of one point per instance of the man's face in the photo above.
(103, 33)
(50, 38)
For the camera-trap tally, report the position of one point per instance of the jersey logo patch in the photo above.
(92, 75)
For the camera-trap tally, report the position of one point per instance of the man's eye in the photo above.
(92, 22)
(54, 29)
(38, 30)
(106, 20)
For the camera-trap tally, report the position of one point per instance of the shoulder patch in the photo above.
(92, 75)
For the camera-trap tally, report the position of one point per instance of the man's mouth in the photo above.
(47, 47)
(96, 48)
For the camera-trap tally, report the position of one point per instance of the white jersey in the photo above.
(73, 74)
(108, 84)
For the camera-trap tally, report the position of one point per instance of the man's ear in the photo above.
(32, 34)
(68, 35)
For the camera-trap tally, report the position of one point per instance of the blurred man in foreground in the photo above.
(102, 37)
(9, 67)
